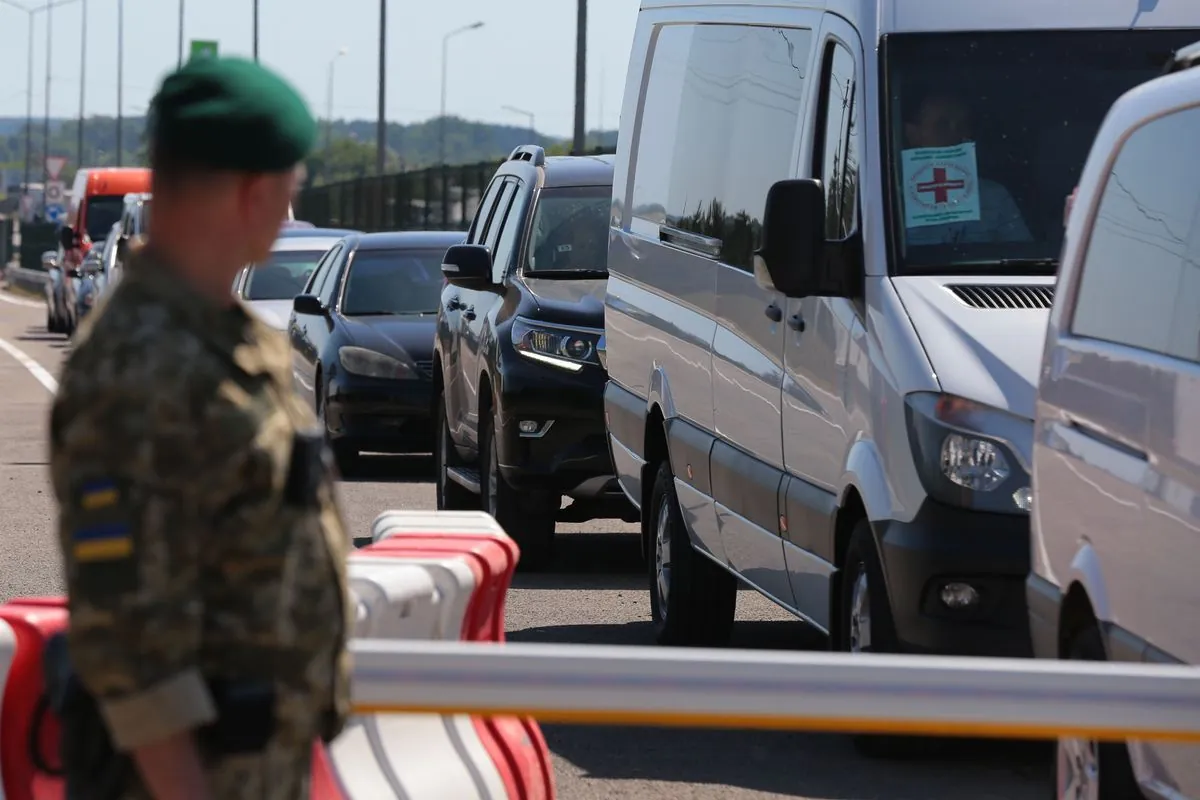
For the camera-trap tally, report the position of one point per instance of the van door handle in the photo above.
(469, 313)
(773, 312)
(796, 322)
(453, 304)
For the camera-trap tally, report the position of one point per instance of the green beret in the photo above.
(230, 114)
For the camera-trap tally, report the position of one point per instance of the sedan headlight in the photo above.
(559, 346)
(970, 455)
(369, 364)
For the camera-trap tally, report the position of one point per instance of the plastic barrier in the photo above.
(515, 745)
(32, 621)
(834, 692)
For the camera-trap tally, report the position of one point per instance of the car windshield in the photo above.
(988, 133)
(103, 211)
(393, 282)
(570, 230)
(283, 276)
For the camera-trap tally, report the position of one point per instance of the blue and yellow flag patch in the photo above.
(102, 543)
(102, 533)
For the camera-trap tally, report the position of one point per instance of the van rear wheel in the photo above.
(692, 600)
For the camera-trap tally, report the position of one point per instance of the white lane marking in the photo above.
(17, 301)
(35, 369)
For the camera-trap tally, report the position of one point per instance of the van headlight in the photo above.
(561, 346)
(970, 455)
(369, 364)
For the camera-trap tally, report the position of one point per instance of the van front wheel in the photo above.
(692, 600)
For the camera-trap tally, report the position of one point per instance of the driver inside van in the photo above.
(942, 119)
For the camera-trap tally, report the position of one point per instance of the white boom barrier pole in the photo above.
(833, 692)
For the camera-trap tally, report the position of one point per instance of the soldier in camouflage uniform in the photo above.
(204, 553)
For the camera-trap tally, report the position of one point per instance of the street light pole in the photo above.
(580, 79)
(445, 61)
(29, 115)
(256, 30)
(329, 107)
(529, 114)
(82, 81)
(180, 64)
(381, 123)
(46, 120)
(120, 76)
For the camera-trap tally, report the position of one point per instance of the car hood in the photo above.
(411, 333)
(275, 313)
(582, 299)
(991, 355)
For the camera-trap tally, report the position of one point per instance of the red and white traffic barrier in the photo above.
(424, 577)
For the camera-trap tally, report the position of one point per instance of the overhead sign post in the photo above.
(54, 166)
(203, 49)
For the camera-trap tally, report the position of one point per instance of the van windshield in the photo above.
(987, 134)
(103, 211)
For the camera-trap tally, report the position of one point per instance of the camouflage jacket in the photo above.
(199, 529)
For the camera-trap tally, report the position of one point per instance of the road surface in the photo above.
(595, 593)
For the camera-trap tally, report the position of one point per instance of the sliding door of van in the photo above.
(747, 97)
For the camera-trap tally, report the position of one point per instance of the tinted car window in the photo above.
(838, 166)
(393, 282)
(283, 276)
(570, 229)
(486, 206)
(722, 113)
(1139, 284)
(333, 278)
(989, 132)
(103, 211)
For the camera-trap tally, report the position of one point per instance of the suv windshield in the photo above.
(393, 282)
(988, 133)
(103, 211)
(570, 230)
(283, 276)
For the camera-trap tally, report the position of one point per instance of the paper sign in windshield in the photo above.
(941, 185)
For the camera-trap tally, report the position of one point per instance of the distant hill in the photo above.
(351, 152)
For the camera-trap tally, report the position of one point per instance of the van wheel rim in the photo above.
(1078, 769)
(860, 613)
(662, 556)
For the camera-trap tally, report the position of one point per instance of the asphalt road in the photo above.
(595, 593)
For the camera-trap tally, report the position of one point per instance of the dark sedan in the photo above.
(362, 339)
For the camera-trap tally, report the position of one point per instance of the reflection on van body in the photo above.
(854, 441)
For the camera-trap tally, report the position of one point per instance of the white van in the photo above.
(1116, 457)
(835, 230)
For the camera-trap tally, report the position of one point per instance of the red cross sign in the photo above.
(940, 186)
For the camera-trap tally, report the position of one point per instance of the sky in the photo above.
(523, 56)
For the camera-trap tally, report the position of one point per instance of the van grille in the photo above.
(1004, 296)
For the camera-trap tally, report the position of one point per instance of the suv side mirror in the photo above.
(467, 265)
(792, 258)
(308, 304)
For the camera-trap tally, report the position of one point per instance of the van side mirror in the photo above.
(308, 304)
(794, 257)
(66, 237)
(467, 265)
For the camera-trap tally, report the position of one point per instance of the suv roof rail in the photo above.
(1183, 58)
(534, 153)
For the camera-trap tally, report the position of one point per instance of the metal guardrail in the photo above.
(832, 692)
(32, 280)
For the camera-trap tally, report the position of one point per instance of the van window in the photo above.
(988, 133)
(1140, 284)
(718, 128)
(837, 154)
(103, 211)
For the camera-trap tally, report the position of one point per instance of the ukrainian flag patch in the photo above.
(99, 495)
(111, 542)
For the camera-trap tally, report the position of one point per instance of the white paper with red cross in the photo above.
(941, 185)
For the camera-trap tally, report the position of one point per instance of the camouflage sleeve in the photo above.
(128, 464)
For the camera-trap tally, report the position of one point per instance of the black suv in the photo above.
(521, 388)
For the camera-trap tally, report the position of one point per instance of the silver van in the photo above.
(835, 230)
(1116, 457)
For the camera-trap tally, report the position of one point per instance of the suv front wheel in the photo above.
(528, 517)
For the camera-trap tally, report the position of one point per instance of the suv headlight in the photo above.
(369, 364)
(970, 455)
(559, 346)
